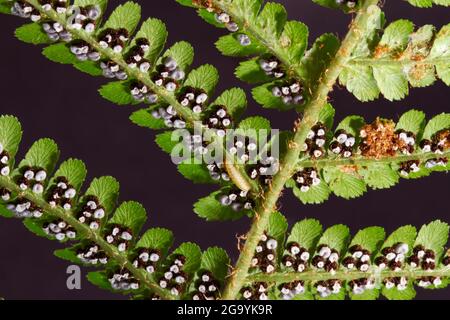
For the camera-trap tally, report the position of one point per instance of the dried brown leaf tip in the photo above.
(379, 139)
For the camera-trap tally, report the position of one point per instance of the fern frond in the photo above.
(399, 59)
(429, 3)
(359, 155)
(350, 6)
(288, 72)
(175, 97)
(101, 233)
(309, 263)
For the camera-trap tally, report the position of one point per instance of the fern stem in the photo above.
(347, 275)
(69, 217)
(363, 161)
(191, 118)
(403, 62)
(288, 164)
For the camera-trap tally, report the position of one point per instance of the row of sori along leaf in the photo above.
(142, 54)
(385, 64)
(352, 5)
(185, 271)
(315, 264)
(330, 161)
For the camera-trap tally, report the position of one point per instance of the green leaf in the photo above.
(10, 134)
(229, 45)
(352, 124)
(75, 172)
(35, 227)
(168, 140)
(370, 238)
(295, 40)
(391, 81)
(272, 19)
(4, 212)
(326, 115)
(234, 100)
(429, 3)
(250, 71)
(143, 118)
(336, 237)
(315, 195)
(360, 81)
(60, 53)
(306, 233)
(255, 123)
(193, 255)
(32, 33)
(155, 32)
(413, 121)
(405, 234)
(394, 294)
(99, 279)
(211, 209)
(345, 185)
(195, 172)
(130, 214)
(317, 59)
(106, 189)
(125, 16)
(433, 236)
(182, 52)
(5, 8)
(43, 153)
(277, 228)
(90, 67)
(366, 295)
(248, 8)
(379, 176)
(118, 92)
(187, 3)
(156, 238)
(210, 17)
(438, 123)
(264, 96)
(204, 77)
(83, 3)
(396, 35)
(334, 5)
(68, 254)
(216, 261)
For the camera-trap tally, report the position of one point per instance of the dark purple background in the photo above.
(59, 102)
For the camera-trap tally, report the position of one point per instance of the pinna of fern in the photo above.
(177, 98)
(386, 63)
(305, 264)
(101, 232)
(310, 263)
(357, 167)
(353, 157)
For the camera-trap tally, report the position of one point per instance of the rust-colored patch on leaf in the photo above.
(203, 3)
(349, 169)
(380, 51)
(419, 71)
(379, 139)
(443, 138)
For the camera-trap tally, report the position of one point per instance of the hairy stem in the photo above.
(402, 62)
(69, 217)
(374, 272)
(288, 164)
(191, 118)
